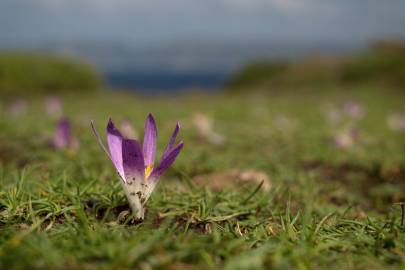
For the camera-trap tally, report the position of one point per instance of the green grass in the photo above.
(327, 208)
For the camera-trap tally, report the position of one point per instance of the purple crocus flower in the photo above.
(353, 109)
(135, 164)
(63, 138)
(346, 138)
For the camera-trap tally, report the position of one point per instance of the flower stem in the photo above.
(137, 208)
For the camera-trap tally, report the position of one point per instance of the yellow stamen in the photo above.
(148, 171)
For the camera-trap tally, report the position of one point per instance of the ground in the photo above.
(324, 206)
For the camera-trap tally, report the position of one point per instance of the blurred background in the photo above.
(167, 46)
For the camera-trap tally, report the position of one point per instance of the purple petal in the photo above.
(166, 162)
(62, 136)
(133, 163)
(114, 140)
(149, 141)
(169, 147)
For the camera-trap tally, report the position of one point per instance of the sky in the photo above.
(143, 22)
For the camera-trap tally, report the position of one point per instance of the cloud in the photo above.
(294, 6)
(162, 20)
(112, 5)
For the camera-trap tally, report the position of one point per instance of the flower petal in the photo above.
(114, 140)
(170, 145)
(133, 163)
(166, 162)
(149, 141)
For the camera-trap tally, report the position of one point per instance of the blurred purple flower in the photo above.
(63, 138)
(346, 138)
(205, 128)
(128, 130)
(53, 106)
(17, 108)
(353, 109)
(135, 164)
(396, 122)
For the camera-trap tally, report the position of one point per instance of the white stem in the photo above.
(134, 194)
(137, 208)
(138, 192)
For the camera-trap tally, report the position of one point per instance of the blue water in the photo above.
(165, 81)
